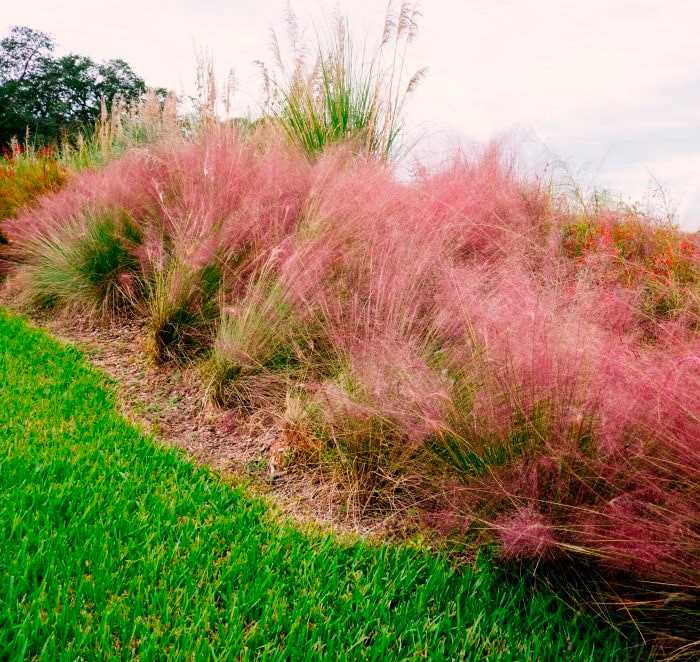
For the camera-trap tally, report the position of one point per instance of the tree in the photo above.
(47, 95)
(22, 53)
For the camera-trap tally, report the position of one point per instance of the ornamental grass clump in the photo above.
(201, 214)
(181, 309)
(258, 339)
(369, 422)
(91, 264)
(341, 96)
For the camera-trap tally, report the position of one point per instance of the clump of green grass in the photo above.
(254, 345)
(181, 309)
(345, 97)
(112, 546)
(91, 264)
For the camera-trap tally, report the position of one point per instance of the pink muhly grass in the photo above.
(220, 199)
(225, 194)
(402, 386)
(364, 258)
(378, 415)
(526, 533)
(646, 532)
(607, 418)
(551, 359)
(482, 206)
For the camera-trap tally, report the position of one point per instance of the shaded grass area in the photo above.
(112, 546)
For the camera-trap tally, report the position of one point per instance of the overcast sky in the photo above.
(610, 87)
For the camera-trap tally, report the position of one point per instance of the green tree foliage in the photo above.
(47, 94)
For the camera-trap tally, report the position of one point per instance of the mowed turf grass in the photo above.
(113, 546)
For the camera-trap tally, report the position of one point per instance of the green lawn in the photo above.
(112, 545)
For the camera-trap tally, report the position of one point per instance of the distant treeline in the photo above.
(47, 96)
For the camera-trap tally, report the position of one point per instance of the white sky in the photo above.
(611, 87)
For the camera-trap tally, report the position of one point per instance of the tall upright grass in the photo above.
(344, 94)
(126, 126)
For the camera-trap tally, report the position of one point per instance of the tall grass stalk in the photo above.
(345, 96)
(124, 126)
